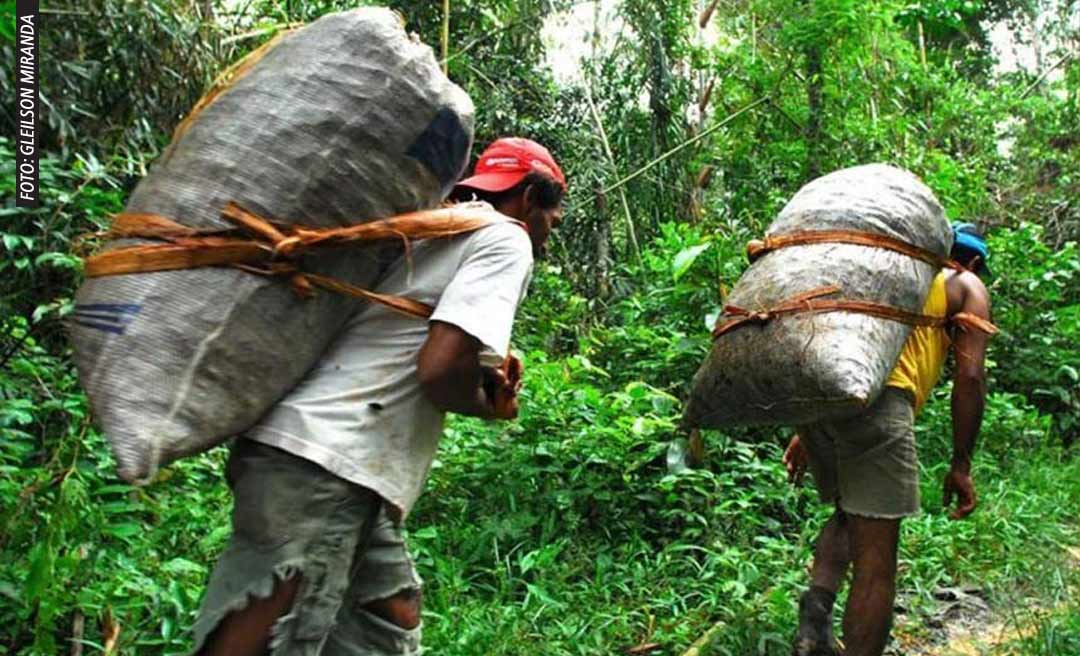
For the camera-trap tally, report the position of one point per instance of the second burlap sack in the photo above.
(800, 368)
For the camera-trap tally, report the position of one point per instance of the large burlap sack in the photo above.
(341, 122)
(804, 367)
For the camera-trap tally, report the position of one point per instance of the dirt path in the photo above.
(966, 625)
(993, 638)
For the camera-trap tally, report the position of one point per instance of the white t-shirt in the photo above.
(360, 413)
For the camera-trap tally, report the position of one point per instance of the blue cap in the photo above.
(967, 236)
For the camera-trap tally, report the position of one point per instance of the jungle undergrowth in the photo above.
(562, 530)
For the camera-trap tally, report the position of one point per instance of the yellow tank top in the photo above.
(923, 355)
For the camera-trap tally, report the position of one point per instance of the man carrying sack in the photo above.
(317, 563)
(867, 466)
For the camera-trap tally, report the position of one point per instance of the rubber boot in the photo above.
(815, 634)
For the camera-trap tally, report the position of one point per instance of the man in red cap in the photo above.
(317, 563)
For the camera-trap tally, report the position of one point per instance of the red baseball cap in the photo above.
(507, 161)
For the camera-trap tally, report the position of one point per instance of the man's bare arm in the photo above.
(969, 390)
(450, 372)
(969, 378)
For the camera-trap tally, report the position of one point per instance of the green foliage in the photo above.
(37, 264)
(7, 20)
(1036, 299)
(1046, 150)
(116, 76)
(949, 24)
(95, 548)
(1056, 631)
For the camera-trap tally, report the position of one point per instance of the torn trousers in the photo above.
(292, 517)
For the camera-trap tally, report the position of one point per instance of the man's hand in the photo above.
(796, 460)
(958, 483)
(502, 385)
(513, 369)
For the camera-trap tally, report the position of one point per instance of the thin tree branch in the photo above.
(262, 31)
(706, 16)
(445, 36)
(480, 74)
(701, 643)
(496, 32)
(688, 143)
(922, 46)
(798, 126)
(611, 158)
(15, 348)
(484, 37)
(1039, 80)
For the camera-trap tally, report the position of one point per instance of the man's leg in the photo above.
(402, 609)
(832, 555)
(868, 616)
(381, 616)
(832, 552)
(246, 632)
(877, 474)
(277, 586)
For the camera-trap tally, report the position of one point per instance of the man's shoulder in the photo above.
(967, 282)
(963, 287)
(503, 235)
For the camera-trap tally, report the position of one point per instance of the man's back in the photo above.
(361, 413)
(923, 355)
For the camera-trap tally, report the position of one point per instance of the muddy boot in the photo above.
(815, 634)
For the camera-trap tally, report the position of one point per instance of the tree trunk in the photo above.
(659, 85)
(602, 284)
(814, 83)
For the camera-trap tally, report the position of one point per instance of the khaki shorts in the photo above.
(868, 465)
(293, 517)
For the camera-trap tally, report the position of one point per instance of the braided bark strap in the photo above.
(813, 301)
(262, 247)
(757, 248)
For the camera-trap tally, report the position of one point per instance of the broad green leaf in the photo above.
(183, 566)
(685, 259)
(59, 260)
(711, 318)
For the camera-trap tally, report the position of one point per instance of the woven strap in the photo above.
(813, 301)
(304, 285)
(757, 248)
(262, 247)
(966, 320)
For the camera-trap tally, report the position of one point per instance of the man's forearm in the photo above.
(478, 404)
(968, 402)
(464, 396)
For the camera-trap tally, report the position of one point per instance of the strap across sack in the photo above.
(757, 248)
(814, 301)
(261, 247)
